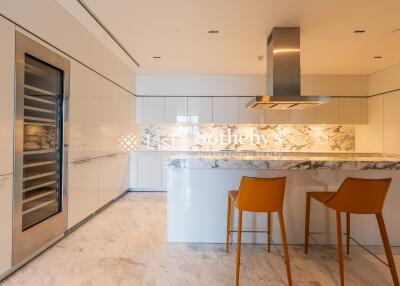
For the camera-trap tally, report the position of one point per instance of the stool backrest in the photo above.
(261, 194)
(362, 196)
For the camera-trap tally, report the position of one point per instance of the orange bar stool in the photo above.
(358, 196)
(258, 195)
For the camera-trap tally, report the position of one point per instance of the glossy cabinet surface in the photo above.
(6, 202)
(82, 191)
(176, 110)
(391, 119)
(153, 110)
(248, 116)
(200, 109)
(328, 113)
(7, 51)
(107, 181)
(83, 128)
(225, 110)
(350, 110)
(150, 171)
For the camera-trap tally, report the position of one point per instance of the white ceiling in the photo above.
(176, 30)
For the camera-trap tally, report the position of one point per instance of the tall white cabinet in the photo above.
(7, 59)
(225, 110)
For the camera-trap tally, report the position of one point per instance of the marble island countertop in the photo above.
(287, 161)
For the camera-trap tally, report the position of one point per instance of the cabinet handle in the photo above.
(81, 161)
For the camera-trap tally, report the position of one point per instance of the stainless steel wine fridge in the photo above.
(40, 198)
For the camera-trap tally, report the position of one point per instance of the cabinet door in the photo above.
(225, 110)
(303, 116)
(328, 113)
(7, 50)
(248, 116)
(139, 109)
(83, 128)
(150, 171)
(200, 109)
(107, 181)
(350, 110)
(272, 116)
(82, 191)
(153, 110)
(6, 202)
(391, 118)
(122, 174)
(176, 110)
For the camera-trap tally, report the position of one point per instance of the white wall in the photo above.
(50, 21)
(245, 85)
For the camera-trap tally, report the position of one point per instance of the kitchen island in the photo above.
(198, 185)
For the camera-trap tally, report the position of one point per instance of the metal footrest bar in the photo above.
(352, 239)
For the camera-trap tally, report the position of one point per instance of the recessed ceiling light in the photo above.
(378, 57)
(396, 30)
(359, 31)
(156, 57)
(213, 31)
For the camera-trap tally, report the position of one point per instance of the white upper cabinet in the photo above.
(303, 116)
(6, 222)
(225, 110)
(248, 116)
(274, 116)
(153, 110)
(200, 109)
(84, 82)
(351, 110)
(176, 110)
(83, 128)
(139, 109)
(391, 103)
(328, 113)
(7, 50)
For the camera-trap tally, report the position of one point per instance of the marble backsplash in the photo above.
(244, 137)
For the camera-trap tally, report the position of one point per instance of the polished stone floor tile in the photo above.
(126, 245)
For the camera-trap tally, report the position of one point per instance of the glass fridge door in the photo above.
(42, 142)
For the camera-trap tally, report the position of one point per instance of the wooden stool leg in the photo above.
(340, 247)
(348, 233)
(228, 223)
(388, 249)
(269, 231)
(285, 247)
(239, 246)
(307, 223)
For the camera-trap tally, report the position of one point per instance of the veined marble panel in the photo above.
(245, 137)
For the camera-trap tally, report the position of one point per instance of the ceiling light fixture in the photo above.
(396, 30)
(359, 31)
(213, 31)
(378, 57)
(156, 57)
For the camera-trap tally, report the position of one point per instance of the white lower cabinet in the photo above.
(108, 169)
(150, 171)
(6, 202)
(82, 191)
(122, 174)
(225, 110)
(249, 116)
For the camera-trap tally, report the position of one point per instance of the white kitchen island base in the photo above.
(197, 205)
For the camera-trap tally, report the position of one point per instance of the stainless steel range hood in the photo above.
(283, 74)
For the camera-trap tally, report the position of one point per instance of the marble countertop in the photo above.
(287, 161)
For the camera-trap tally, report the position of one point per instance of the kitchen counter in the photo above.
(198, 184)
(287, 161)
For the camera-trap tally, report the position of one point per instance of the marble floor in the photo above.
(126, 245)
